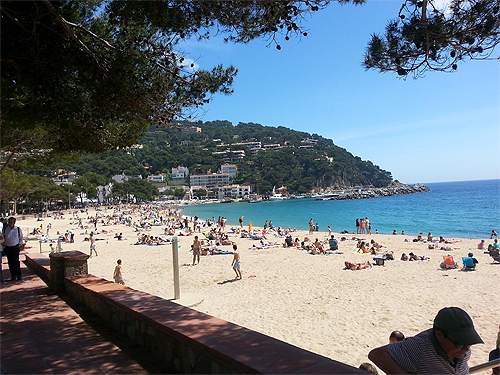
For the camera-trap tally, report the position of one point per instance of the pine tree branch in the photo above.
(65, 25)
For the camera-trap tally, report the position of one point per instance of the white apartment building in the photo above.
(274, 146)
(208, 180)
(230, 169)
(233, 191)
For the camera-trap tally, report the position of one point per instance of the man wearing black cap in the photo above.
(443, 349)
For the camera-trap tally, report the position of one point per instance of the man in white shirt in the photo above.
(12, 243)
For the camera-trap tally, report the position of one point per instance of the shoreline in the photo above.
(306, 300)
(183, 208)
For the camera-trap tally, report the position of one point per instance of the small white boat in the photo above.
(277, 196)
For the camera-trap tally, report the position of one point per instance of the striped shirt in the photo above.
(13, 237)
(421, 354)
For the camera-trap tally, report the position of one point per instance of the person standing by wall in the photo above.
(13, 243)
(117, 275)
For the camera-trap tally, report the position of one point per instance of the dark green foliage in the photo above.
(142, 190)
(425, 38)
(90, 76)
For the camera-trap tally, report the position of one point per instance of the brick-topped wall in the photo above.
(189, 341)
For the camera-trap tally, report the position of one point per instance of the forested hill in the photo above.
(305, 162)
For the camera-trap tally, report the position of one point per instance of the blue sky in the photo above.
(443, 127)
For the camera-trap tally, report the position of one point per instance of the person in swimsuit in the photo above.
(357, 266)
(236, 264)
(117, 275)
(92, 244)
(196, 250)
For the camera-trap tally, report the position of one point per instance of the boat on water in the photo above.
(277, 196)
(255, 199)
(227, 201)
(327, 196)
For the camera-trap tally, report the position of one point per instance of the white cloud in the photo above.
(189, 64)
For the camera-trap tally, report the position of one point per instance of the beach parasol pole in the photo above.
(175, 257)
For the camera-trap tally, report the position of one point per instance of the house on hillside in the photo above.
(157, 178)
(179, 172)
(274, 146)
(231, 156)
(120, 178)
(64, 178)
(309, 140)
(191, 130)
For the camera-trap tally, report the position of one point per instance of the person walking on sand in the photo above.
(311, 226)
(236, 264)
(117, 275)
(196, 250)
(92, 244)
(241, 221)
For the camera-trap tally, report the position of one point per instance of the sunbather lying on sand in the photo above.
(417, 257)
(357, 266)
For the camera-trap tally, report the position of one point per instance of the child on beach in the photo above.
(236, 264)
(480, 245)
(92, 244)
(117, 275)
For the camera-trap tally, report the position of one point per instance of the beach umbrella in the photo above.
(250, 226)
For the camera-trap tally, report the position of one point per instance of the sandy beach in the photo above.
(307, 300)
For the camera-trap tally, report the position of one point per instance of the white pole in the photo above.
(175, 258)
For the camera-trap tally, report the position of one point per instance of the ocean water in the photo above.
(466, 209)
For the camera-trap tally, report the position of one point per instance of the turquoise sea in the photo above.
(466, 209)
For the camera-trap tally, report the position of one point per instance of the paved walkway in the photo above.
(42, 334)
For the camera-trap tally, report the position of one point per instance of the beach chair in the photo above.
(379, 261)
(449, 262)
(468, 264)
(495, 255)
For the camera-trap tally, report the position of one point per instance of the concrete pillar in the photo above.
(64, 264)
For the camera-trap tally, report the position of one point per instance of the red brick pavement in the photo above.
(41, 334)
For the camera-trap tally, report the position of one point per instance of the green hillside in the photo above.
(300, 169)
